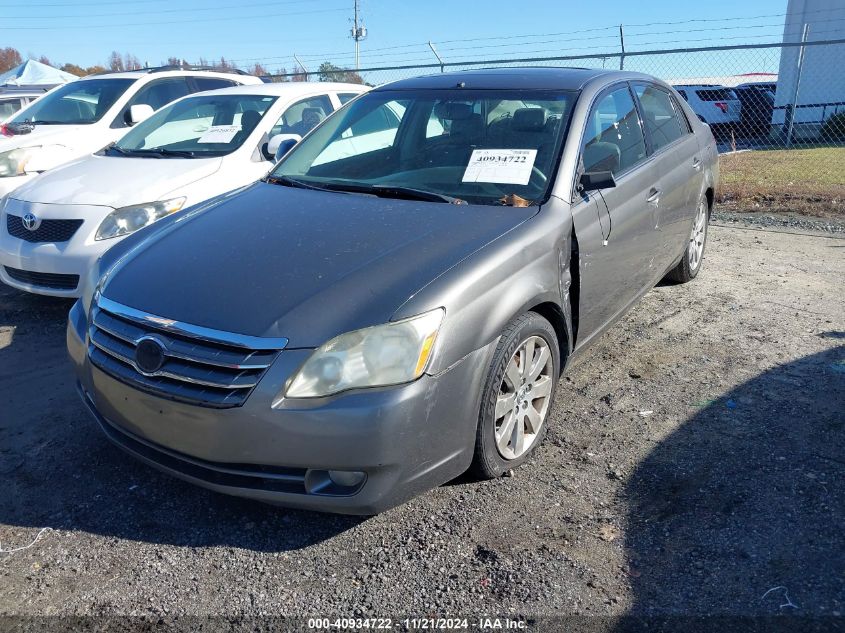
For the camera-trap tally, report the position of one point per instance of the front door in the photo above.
(615, 226)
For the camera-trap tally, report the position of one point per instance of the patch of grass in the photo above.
(803, 181)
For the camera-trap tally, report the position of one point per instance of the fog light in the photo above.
(347, 478)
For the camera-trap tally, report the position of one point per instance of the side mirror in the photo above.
(281, 144)
(139, 112)
(592, 180)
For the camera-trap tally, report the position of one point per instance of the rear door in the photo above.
(678, 158)
(614, 226)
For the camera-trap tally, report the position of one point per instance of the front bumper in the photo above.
(406, 439)
(36, 265)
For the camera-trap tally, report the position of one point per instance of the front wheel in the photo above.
(690, 263)
(517, 395)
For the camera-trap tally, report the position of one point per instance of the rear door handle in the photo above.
(654, 196)
(696, 163)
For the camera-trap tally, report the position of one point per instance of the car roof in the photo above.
(285, 89)
(535, 78)
(153, 73)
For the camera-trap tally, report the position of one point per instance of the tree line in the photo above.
(11, 57)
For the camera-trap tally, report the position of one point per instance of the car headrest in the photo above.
(250, 119)
(313, 112)
(470, 127)
(529, 119)
(451, 111)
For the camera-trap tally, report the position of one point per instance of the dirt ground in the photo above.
(694, 465)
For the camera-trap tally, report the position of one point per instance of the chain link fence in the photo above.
(777, 111)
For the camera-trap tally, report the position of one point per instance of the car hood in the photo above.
(305, 265)
(65, 135)
(115, 181)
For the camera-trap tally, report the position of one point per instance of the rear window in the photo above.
(716, 94)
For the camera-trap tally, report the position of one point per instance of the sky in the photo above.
(272, 31)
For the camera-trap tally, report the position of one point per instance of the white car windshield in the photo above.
(196, 127)
(77, 103)
(477, 146)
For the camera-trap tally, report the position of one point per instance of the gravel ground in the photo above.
(693, 465)
(833, 226)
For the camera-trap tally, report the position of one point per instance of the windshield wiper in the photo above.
(409, 193)
(287, 181)
(156, 153)
(382, 191)
(43, 122)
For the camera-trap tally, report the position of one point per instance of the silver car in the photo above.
(395, 302)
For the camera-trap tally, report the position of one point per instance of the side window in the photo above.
(155, 94)
(8, 107)
(613, 140)
(202, 84)
(663, 121)
(378, 120)
(373, 132)
(683, 93)
(346, 97)
(303, 116)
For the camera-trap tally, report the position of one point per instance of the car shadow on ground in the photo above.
(740, 510)
(60, 472)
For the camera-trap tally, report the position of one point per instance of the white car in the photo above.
(77, 118)
(201, 146)
(717, 106)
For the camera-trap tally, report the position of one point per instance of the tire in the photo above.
(493, 458)
(687, 269)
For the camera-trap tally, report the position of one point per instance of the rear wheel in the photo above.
(690, 263)
(517, 395)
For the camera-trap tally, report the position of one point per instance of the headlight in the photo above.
(388, 354)
(13, 162)
(129, 219)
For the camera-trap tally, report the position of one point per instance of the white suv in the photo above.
(717, 106)
(81, 117)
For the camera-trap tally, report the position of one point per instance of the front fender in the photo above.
(522, 269)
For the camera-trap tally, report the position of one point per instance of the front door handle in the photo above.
(654, 196)
(696, 163)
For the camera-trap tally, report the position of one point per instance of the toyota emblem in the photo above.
(149, 355)
(31, 222)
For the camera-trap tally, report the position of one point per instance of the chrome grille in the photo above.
(198, 365)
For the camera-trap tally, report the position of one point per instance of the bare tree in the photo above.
(116, 62)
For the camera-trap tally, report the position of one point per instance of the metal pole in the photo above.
(794, 104)
(302, 66)
(437, 55)
(355, 35)
(622, 44)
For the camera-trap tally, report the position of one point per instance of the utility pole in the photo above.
(622, 44)
(359, 31)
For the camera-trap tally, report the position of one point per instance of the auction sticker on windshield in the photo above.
(219, 134)
(505, 166)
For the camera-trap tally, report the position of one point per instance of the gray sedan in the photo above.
(395, 303)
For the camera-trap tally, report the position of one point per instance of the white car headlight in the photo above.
(13, 162)
(127, 220)
(389, 354)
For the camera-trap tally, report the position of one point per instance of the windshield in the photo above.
(79, 102)
(479, 146)
(196, 127)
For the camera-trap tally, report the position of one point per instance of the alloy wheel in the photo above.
(524, 398)
(697, 236)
